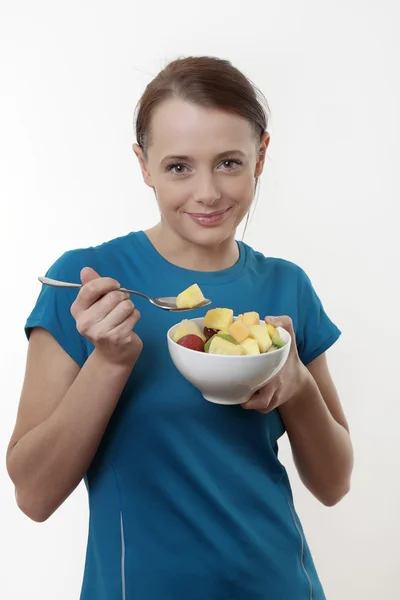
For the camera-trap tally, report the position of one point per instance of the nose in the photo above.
(206, 190)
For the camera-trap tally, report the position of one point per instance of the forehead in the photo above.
(182, 128)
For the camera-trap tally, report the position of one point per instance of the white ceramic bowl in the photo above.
(227, 379)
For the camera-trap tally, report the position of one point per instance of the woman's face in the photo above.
(202, 164)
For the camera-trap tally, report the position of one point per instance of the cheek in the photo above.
(170, 195)
(240, 188)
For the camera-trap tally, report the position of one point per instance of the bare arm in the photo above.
(65, 410)
(310, 408)
(319, 435)
(62, 417)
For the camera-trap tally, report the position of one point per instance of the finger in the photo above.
(266, 408)
(125, 329)
(88, 274)
(93, 290)
(261, 399)
(92, 320)
(103, 307)
(115, 317)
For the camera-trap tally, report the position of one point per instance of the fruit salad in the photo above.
(222, 334)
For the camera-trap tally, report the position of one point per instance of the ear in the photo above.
(262, 152)
(143, 165)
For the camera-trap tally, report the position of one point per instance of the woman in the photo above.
(188, 500)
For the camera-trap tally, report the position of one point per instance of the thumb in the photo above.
(88, 274)
(286, 323)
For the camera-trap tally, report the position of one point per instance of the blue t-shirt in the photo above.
(188, 500)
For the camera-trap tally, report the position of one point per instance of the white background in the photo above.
(71, 74)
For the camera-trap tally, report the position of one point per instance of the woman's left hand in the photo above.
(287, 384)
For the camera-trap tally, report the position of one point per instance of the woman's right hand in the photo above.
(106, 317)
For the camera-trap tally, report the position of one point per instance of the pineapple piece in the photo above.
(239, 331)
(219, 345)
(274, 335)
(187, 327)
(250, 318)
(218, 319)
(225, 336)
(250, 346)
(272, 349)
(191, 297)
(261, 335)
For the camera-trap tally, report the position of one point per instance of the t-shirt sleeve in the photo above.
(52, 310)
(316, 332)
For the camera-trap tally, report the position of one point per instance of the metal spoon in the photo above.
(168, 303)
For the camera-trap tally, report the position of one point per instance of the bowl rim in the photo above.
(260, 356)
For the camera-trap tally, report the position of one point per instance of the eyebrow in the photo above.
(182, 157)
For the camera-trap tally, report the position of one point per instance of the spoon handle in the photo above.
(55, 283)
(66, 284)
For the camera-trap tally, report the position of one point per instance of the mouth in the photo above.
(210, 219)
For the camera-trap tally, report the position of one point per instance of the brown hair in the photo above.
(205, 81)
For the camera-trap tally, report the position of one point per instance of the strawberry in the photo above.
(192, 342)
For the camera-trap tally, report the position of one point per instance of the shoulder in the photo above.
(283, 276)
(274, 265)
(99, 257)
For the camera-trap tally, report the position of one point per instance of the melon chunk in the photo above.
(239, 331)
(191, 297)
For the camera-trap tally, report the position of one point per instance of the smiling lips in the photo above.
(209, 219)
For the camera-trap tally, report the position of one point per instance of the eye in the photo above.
(231, 164)
(177, 169)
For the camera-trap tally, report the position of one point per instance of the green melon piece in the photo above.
(224, 336)
(208, 342)
(273, 348)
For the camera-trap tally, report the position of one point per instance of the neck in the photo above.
(187, 255)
